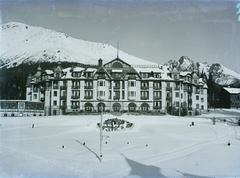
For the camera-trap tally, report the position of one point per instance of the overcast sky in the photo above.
(205, 30)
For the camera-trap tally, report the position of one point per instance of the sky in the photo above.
(155, 30)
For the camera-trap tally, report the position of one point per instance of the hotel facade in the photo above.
(117, 86)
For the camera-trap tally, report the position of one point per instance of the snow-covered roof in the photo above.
(78, 69)
(148, 69)
(66, 69)
(68, 73)
(185, 73)
(91, 70)
(117, 70)
(49, 72)
(232, 90)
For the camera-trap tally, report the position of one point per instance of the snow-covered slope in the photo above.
(21, 43)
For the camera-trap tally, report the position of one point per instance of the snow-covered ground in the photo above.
(157, 146)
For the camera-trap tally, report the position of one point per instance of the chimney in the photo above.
(100, 62)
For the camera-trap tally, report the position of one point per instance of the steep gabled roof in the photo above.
(116, 59)
(102, 70)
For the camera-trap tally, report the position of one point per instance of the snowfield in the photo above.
(156, 146)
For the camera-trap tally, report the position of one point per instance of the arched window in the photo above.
(132, 107)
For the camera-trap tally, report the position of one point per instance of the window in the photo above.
(132, 93)
(157, 104)
(144, 75)
(144, 84)
(88, 74)
(88, 93)
(202, 100)
(123, 94)
(177, 104)
(202, 107)
(88, 83)
(156, 84)
(144, 94)
(55, 93)
(110, 94)
(101, 93)
(197, 97)
(101, 83)
(177, 94)
(132, 83)
(55, 103)
(157, 94)
(197, 106)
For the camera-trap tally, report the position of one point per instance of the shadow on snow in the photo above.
(150, 171)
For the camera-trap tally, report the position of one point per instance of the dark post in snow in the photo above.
(101, 133)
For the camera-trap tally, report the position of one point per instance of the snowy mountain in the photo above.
(223, 75)
(21, 43)
(218, 73)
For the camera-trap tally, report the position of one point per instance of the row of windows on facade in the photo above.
(116, 75)
(77, 103)
(130, 84)
(156, 104)
(144, 94)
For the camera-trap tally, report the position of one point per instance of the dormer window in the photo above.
(88, 74)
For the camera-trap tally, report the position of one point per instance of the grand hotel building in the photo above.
(117, 86)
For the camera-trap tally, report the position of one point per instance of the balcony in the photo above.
(76, 87)
(132, 77)
(177, 88)
(75, 107)
(145, 87)
(197, 92)
(63, 107)
(156, 107)
(88, 97)
(116, 87)
(63, 87)
(55, 87)
(169, 98)
(75, 97)
(132, 98)
(157, 97)
(116, 97)
(156, 88)
(168, 89)
(88, 87)
(190, 90)
(64, 97)
(144, 97)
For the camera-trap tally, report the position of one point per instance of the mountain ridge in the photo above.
(44, 45)
(22, 43)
